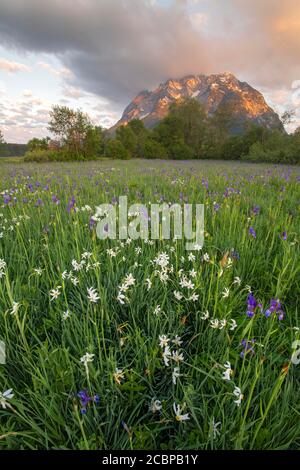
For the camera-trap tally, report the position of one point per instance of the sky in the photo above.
(97, 55)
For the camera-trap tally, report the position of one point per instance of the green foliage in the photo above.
(93, 145)
(153, 149)
(78, 137)
(115, 149)
(185, 133)
(128, 138)
(38, 144)
(3, 146)
(40, 156)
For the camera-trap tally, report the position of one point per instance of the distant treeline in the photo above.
(187, 132)
(12, 150)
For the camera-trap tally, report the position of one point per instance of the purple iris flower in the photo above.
(216, 207)
(252, 305)
(85, 399)
(284, 235)
(55, 200)
(275, 307)
(256, 210)
(92, 223)
(247, 347)
(6, 198)
(252, 232)
(39, 202)
(71, 204)
(205, 183)
(234, 254)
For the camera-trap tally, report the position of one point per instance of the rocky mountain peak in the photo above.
(210, 90)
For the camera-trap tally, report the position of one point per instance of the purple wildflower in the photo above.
(85, 399)
(275, 307)
(205, 183)
(283, 236)
(252, 232)
(39, 202)
(247, 347)
(256, 210)
(71, 204)
(252, 305)
(55, 200)
(234, 254)
(92, 223)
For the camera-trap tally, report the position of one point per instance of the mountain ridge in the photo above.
(211, 91)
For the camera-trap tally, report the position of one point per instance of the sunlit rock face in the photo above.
(212, 91)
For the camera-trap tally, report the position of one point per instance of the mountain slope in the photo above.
(212, 91)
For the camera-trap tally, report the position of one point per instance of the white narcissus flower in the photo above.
(233, 324)
(178, 295)
(175, 374)
(214, 428)
(93, 295)
(15, 308)
(228, 371)
(177, 341)
(205, 315)
(129, 280)
(87, 358)
(155, 405)
(214, 323)
(66, 315)
(163, 341)
(194, 297)
(225, 293)
(178, 409)
(237, 392)
(38, 271)
(4, 397)
(118, 376)
(157, 310)
(55, 293)
(193, 273)
(177, 357)
(167, 355)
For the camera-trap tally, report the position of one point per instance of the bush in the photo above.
(115, 149)
(41, 156)
(153, 149)
(180, 151)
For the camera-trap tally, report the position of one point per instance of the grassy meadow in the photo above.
(139, 344)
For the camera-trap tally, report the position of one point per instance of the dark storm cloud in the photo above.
(115, 48)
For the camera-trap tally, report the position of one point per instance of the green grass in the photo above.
(43, 350)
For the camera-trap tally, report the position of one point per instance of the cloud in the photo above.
(27, 93)
(114, 48)
(13, 67)
(62, 72)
